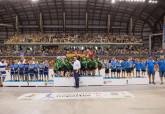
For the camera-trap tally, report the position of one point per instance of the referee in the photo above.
(76, 68)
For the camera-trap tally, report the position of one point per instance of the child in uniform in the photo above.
(113, 68)
(3, 66)
(21, 70)
(16, 71)
(26, 70)
(41, 70)
(123, 67)
(12, 71)
(129, 68)
(161, 64)
(151, 70)
(118, 68)
(36, 67)
(143, 67)
(137, 67)
(46, 70)
(31, 70)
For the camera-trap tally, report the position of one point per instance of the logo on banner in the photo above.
(75, 95)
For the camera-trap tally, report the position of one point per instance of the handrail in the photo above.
(59, 43)
(119, 55)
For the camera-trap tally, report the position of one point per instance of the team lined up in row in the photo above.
(126, 67)
(26, 70)
(31, 70)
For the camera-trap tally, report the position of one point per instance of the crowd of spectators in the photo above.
(57, 38)
(8, 50)
(72, 38)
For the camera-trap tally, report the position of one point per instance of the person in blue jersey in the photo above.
(128, 68)
(21, 70)
(36, 70)
(12, 70)
(26, 70)
(41, 70)
(123, 67)
(143, 67)
(46, 70)
(113, 68)
(161, 64)
(151, 70)
(31, 70)
(132, 66)
(3, 66)
(137, 67)
(118, 68)
(16, 70)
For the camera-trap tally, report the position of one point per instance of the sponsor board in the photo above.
(76, 95)
(84, 81)
(126, 81)
(14, 83)
(115, 81)
(41, 83)
(138, 81)
(28, 83)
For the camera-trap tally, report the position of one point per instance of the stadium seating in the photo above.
(72, 38)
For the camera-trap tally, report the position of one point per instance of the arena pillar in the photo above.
(17, 24)
(86, 21)
(150, 39)
(131, 26)
(150, 43)
(64, 22)
(163, 36)
(41, 22)
(108, 23)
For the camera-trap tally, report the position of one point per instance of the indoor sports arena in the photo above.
(82, 56)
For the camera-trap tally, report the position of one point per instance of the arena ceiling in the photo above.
(146, 17)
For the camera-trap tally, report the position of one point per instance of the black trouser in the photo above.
(76, 77)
